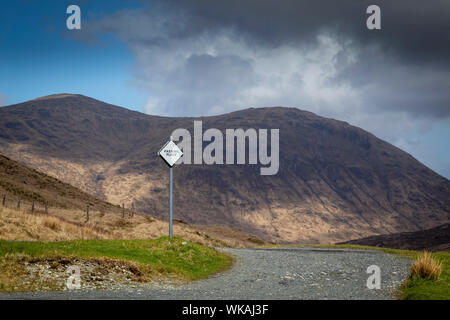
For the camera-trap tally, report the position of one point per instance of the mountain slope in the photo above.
(336, 182)
(66, 216)
(17, 180)
(435, 239)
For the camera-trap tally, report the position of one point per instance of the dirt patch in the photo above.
(94, 274)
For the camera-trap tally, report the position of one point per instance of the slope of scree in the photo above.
(336, 182)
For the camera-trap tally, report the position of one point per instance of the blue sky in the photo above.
(192, 58)
(38, 57)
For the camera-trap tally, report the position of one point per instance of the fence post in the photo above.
(123, 210)
(132, 209)
(18, 203)
(87, 213)
(4, 199)
(46, 207)
(32, 207)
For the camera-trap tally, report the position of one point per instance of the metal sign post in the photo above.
(170, 154)
(170, 201)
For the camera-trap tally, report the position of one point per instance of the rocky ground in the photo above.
(48, 275)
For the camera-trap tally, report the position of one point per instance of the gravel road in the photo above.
(280, 273)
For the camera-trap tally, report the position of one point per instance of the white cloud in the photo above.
(212, 75)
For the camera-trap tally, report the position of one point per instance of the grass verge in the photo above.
(163, 257)
(426, 286)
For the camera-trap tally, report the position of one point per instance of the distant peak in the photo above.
(56, 96)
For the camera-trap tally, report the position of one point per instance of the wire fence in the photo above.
(35, 207)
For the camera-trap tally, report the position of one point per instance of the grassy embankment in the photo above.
(69, 224)
(150, 259)
(415, 287)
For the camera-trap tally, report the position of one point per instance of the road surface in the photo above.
(278, 273)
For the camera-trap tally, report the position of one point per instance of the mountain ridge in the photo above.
(338, 182)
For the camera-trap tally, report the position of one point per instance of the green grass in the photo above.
(163, 256)
(411, 289)
(420, 289)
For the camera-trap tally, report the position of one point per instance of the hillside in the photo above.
(17, 180)
(435, 239)
(336, 182)
(66, 217)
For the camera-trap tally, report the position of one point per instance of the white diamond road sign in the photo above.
(170, 153)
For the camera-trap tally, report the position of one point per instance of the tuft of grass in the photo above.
(256, 240)
(428, 287)
(426, 267)
(52, 223)
(122, 223)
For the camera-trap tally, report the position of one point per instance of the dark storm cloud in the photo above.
(414, 29)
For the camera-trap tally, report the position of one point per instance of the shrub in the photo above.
(53, 224)
(426, 267)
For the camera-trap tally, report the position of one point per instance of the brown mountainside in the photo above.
(19, 181)
(435, 239)
(336, 182)
(66, 217)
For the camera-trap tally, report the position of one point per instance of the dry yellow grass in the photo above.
(426, 267)
(19, 225)
(62, 224)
